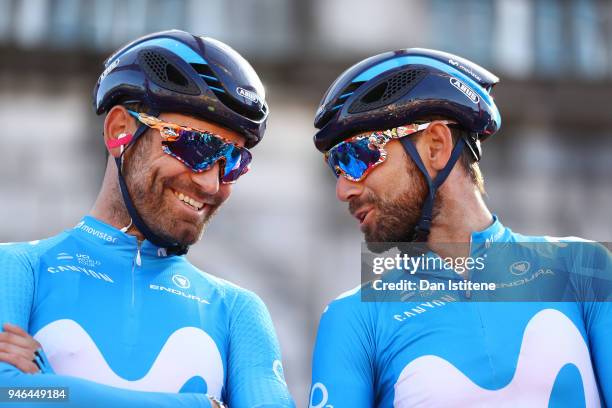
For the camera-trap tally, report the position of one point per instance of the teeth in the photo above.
(186, 199)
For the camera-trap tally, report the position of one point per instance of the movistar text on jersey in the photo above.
(412, 264)
(96, 233)
(424, 284)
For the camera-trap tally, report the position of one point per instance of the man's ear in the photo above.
(118, 129)
(437, 146)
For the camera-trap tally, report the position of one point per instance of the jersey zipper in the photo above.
(138, 258)
(137, 263)
(468, 292)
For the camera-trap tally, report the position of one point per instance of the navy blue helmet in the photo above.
(399, 87)
(174, 71)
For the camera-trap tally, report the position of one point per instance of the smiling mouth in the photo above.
(191, 202)
(362, 214)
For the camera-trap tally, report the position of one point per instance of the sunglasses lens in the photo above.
(237, 161)
(200, 151)
(353, 158)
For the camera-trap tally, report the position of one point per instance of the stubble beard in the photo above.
(146, 190)
(396, 218)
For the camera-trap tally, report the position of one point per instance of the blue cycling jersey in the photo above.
(124, 324)
(444, 352)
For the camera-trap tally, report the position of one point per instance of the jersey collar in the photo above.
(495, 232)
(99, 232)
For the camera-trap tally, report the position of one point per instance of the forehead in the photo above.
(203, 125)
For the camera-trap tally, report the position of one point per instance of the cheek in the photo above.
(390, 177)
(225, 190)
(167, 166)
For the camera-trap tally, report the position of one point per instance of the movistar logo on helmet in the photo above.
(464, 68)
(466, 90)
(108, 69)
(250, 95)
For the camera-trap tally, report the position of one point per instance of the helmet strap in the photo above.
(171, 247)
(472, 142)
(421, 230)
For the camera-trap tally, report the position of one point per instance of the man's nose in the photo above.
(346, 189)
(208, 180)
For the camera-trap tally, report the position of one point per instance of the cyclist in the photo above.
(123, 317)
(402, 132)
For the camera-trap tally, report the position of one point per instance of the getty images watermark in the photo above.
(422, 263)
(488, 272)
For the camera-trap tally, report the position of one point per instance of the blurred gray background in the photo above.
(283, 234)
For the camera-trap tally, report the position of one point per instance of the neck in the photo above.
(456, 220)
(109, 206)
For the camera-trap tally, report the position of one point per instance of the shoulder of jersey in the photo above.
(516, 237)
(349, 298)
(226, 288)
(562, 248)
(34, 248)
(556, 242)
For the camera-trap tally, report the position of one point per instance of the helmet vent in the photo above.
(208, 76)
(387, 92)
(375, 94)
(338, 103)
(175, 76)
(349, 90)
(165, 74)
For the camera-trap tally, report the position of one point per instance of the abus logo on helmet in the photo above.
(466, 90)
(250, 95)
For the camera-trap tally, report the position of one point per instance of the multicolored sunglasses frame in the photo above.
(366, 151)
(206, 146)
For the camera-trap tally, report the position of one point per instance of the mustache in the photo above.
(358, 202)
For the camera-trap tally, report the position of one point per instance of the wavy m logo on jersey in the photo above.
(537, 368)
(188, 352)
